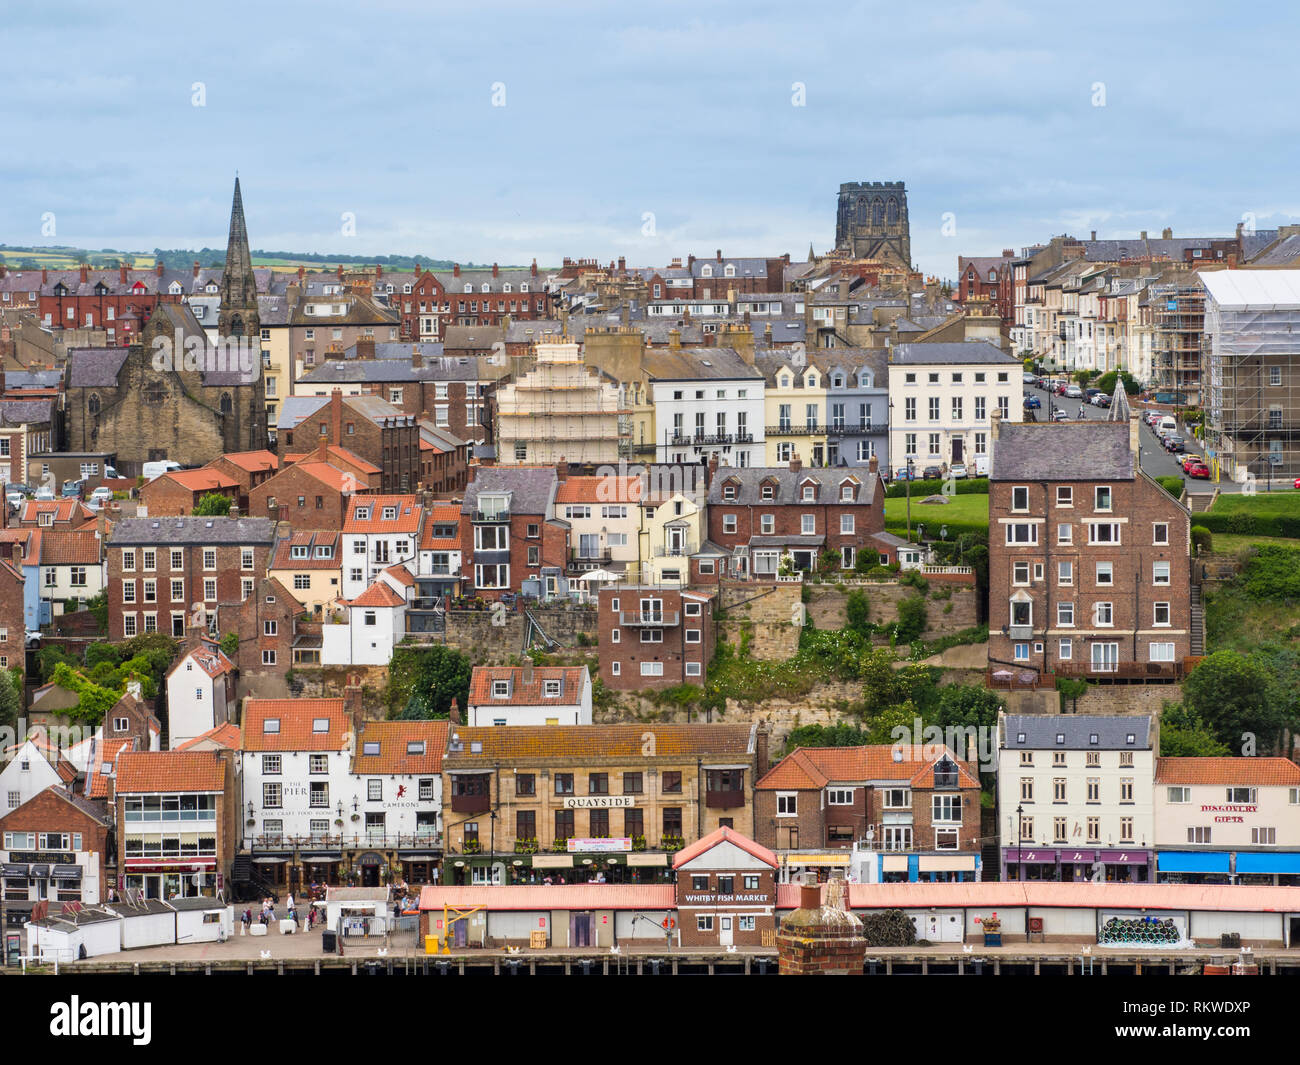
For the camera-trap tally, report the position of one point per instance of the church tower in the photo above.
(238, 315)
(871, 222)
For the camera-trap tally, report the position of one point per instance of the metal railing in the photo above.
(489, 515)
(674, 551)
(360, 838)
(661, 617)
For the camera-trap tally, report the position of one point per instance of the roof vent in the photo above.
(898, 754)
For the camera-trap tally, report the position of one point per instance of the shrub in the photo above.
(1202, 537)
(911, 619)
(1172, 485)
(969, 486)
(858, 611)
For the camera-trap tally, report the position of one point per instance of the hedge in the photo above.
(1172, 485)
(967, 486)
(1244, 523)
(955, 528)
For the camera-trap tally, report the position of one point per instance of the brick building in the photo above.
(989, 279)
(266, 623)
(177, 821)
(758, 515)
(13, 623)
(177, 493)
(56, 846)
(307, 494)
(654, 636)
(368, 426)
(726, 891)
(160, 568)
(248, 468)
(550, 797)
(509, 533)
(1089, 570)
(914, 811)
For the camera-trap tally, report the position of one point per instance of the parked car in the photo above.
(73, 489)
(102, 493)
(45, 492)
(1173, 443)
(1029, 378)
(904, 474)
(1032, 403)
(1073, 392)
(1060, 388)
(1100, 400)
(33, 638)
(1189, 458)
(1166, 425)
(932, 473)
(1060, 415)
(957, 470)
(1199, 469)
(1090, 392)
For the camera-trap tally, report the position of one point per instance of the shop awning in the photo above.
(817, 859)
(1265, 862)
(552, 861)
(418, 858)
(14, 870)
(270, 861)
(894, 863)
(645, 859)
(40, 872)
(938, 863)
(1193, 861)
(1028, 857)
(321, 859)
(67, 872)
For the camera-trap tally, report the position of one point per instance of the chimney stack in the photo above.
(336, 416)
(302, 273)
(44, 276)
(533, 269)
(417, 269)
(674, 339)
(995, 416)
(365, 347)
(417, 360)
(1143, 235)
(455, 270)
(719, 255)
(121, 273)
(339, 271)
(495, 270)
(796, 463)
(622, 264)
(379, 269)
(158, 268)
(83, 273)
(873, 464)
(526, 674)
(760, 740)
(454, 714)
(1167, 234)
(713, 467)
(1093, 237)
(196, 268)
(352, 701)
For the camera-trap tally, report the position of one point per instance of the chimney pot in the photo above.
(1144, 235)
(810, 897)
(1094, 235)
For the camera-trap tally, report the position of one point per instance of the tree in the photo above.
(102, 652)
(839, 735)
(422, 682)
(858, 612)
(11, 703)
(1072, 688)
(1106, 382)
(98, 605)
(1236, 696)
(230, 645)
(212, 505)
(49, 658)
(911, 618)
(1183, 733)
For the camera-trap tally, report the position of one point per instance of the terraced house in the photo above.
(567, 802)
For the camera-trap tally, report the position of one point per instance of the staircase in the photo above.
(245, 882)
(1200, 502)
(990, 862)
(1198, 622)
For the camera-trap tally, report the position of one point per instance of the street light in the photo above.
(1020, 857)
(908, 488)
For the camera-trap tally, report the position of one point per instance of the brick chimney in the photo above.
(712, 468)
(196, 268)
(417, 269)
(674, 339)
(1143, 235)
(339, 271)
(1093, 237)
(761, 737)
(526, 673)
(719, 255)
(336, 415)
(121, 273)
(821, 940)
(533, 269)
(495, 271)
(454, 714)
(352, 705)
(366, 348)
(995, 417)
(83, 273)
(455, 270)
(690, 261)
(44, 276)
(562, 468)
(379, 269)
(302, 273)
(873, 464)
(1009, 253)
(796, 463)
(622, 264)
(1167, 234)
(417, 359)
(158, 268)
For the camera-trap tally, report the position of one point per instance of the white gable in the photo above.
(724, 855)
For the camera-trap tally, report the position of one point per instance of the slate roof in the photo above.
(17, 412)
(1063, 451)
(1285, 252)
(1041, 730)
(532, 488)
(696, 364)
(200, 531)
(95, 367)
(749, 479)
(955, 353)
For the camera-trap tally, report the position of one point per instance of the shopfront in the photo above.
(319, 871)
(418, 867)
(1029, 863)
(172, 880)
(1071, 865)
(1268, 867)
(1194, 867)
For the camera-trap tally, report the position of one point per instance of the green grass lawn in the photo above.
(1276, 502)
(960, 511)
(1231, 543)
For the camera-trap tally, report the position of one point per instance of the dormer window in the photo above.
(370, 747)
(271, 726)
(729, 491)
(523, 287)
(298, 551)
(320, 724)
(390, 513)
(769, 491)
(809, 493)
(551, 689)
(1092, 738)
(846, 493)
(500, 689)
(785, 381)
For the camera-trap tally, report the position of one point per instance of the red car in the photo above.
(1198, 469)
(1188, 460)
(1297, 482)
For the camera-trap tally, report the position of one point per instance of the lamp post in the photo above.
(908, 486)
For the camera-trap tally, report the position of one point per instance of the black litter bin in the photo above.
(329, 941)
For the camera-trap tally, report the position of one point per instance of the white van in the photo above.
(1166, 425)
(157, 469)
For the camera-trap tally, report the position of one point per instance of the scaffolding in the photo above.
(1178, 319)
(1252, 373)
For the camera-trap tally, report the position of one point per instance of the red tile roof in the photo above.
(204, 480)
(65, 547)
(724, 835)
(64, 510)
(338, 480)
(525, 694)
(646, 897)
(379, 594)
(208, 657)
(393, 738)
(155, 771)
(401, 575)
(407, 517)
(441, 514)
(105, 754)
(581, 743)
(812, 768)
(225, 735)
(599, 490)
(296, 717)
(253, 461)
(1228, 772)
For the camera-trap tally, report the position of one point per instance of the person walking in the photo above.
(246, 921)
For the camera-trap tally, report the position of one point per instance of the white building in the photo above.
(1228, 820)
(942, 398)
(200, 692)
(296, 761)
(1075, 797)
(529, 695)
(363, 631)
(379, 532)
(27, 773)
(72, 566)
(397, 778)
(707, 401)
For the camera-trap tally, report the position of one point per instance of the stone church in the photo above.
(871, 222)
(172, 394)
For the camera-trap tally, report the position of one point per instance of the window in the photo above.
(563, 783)
(1092, 789)
(787, 804)
(1092, 759)
(1105, 573)
(946, 807)
(1265, 837)
(1026, 789)
(1020, 573)
(1102, 498)
(271, 792)
(1160, 533)
(1103, 533)
(840, 797)
(1065, 573)
(1022, 533)
(1242, 796)
(1064, 534)
(1198, 835)
(1160, 573)
(672, 782)
(1103, 615)
(1064, 496)
(1065, 615)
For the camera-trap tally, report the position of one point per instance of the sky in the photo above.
(516, 131)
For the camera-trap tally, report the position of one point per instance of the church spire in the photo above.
(238, 315)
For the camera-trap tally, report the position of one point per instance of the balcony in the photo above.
(662, 617)
(471, 804)
(724, 800)
(702, 440)
(675, 550)
(579, 557)
(361, 838)
(846, 429)
(1142, 671)
(481, 517)
(796, 430)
